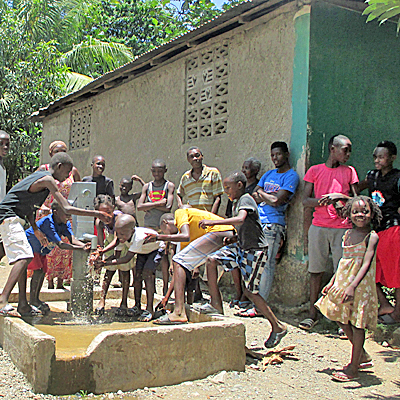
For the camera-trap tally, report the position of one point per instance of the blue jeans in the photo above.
(274, 233)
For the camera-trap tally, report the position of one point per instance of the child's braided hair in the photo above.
(375, 210)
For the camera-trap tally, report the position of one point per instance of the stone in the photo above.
(219, 378)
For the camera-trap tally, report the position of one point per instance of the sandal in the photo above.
(342, 334)
(308, 323)
(244, 304)
(164, 320)
(274, 339)
(146, 316)
(249, 313)
(33, 312)
(44, 308)
(9, 311)
(341, 376)
(233, 303)
(207, 309)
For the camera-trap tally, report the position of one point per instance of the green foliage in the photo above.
(49, 48)
(30, 77)
(382, 10)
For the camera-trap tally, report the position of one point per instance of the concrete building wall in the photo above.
(144, 118)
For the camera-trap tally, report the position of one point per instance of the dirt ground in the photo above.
(309, 377)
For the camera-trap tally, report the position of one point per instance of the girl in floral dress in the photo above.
(59, 261)
(350, 297)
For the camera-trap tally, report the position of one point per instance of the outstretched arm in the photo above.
(182, 236)
(238, 220)
(48, 182)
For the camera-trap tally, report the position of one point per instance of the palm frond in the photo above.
(93, 54)
(75, 81)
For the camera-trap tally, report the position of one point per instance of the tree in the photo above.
(382, 10)
(39, 63)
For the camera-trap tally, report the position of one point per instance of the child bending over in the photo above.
(248, 255)
(105, 236)
(54, 226)
(148, 256)
(350, 297)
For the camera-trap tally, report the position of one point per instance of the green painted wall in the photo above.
(354, 83)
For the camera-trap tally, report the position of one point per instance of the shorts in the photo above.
(196, 252)
(251, 263)
(149, 261)
(39, 262)
(190, 282)
(15, 242)
(388, 258)
(321, 242)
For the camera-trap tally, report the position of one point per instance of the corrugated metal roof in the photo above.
(228, 20)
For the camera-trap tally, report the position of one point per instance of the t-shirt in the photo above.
(155, 193)
(250, 233)
(249, 189)
(201, 193)
(385, 191)
(273, 181)
(104, 185)
(135, 245)
(330, 180)
(53, 232)
(192, 217)
(20, 202)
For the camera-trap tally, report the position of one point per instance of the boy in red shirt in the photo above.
(325, 185)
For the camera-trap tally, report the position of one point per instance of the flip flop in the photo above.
(387, 319)
(341, 376)
(43, 308)
(274, 339)
(164, 320)
(146, 316)
(206, 309)
(245, 304)
(366, 365)
(342, 334)
(9, 311)
(134, 311)
(308, 323)
(249, 313)
(233, 303)
(33, 312)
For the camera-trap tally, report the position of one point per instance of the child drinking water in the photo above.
(105, 236)
(350, 297)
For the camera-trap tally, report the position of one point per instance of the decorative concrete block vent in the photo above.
(207, 75)
(127, 359)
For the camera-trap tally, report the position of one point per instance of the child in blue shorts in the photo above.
(247, 251)
(53, 226)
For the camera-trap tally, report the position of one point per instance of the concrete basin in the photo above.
(127, 359)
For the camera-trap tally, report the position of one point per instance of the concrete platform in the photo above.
(127, 359)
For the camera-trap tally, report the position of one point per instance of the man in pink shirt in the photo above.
(325, 185)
